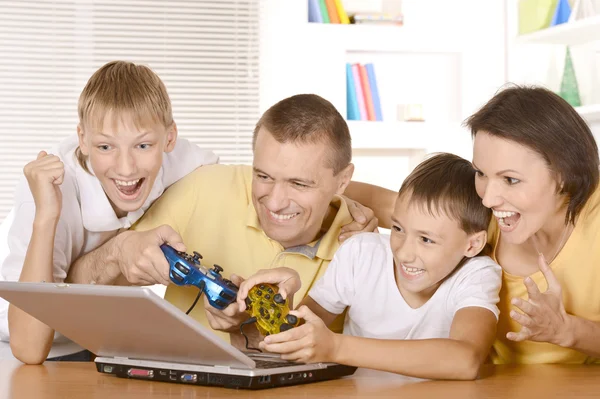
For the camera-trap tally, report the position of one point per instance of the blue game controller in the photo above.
(186, 269)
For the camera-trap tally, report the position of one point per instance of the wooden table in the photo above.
(81, 380)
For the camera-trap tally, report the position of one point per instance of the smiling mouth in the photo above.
(129, 188)
(282, 217)
(412, 271)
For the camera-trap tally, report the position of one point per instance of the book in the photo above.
(314, 11)
(352, 111)
(360, 97)
(324, 13)
(364, 80)
(331, 10)
(374, 91)
(341, 12)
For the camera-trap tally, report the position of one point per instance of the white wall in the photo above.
(450, 55)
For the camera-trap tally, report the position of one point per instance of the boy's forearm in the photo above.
(429, 358)
(31, 339)
(379, 199)
(99, 266)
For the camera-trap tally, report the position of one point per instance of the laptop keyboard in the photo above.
(266, 364)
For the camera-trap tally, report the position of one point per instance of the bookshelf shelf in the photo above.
(572, 33)
(377, 38)
(591, 113)
(393, 135)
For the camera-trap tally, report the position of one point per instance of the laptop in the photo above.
(137, 334)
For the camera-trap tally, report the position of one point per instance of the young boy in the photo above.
(421, 302)
(95, 183)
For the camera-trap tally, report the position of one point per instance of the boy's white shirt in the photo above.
(361, 277)
(87, 218)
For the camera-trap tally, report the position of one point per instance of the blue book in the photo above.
(562, 13)
(374, 91)
(353, 113)
(314, 12)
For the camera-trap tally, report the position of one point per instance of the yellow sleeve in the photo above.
(175, 206)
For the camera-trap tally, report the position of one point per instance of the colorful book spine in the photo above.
(324, 13)
(341, 12)
(314, 11)
(359, 92)
(352, 111)
(364, 80)
(374, 91)
(331, 10)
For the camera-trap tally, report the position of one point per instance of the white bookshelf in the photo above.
(591, 113)
(572, 33)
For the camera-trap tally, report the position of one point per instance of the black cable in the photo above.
(249, 321)
(201, 289)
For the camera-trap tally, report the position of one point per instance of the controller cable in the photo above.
(200, 290)
(249, 321)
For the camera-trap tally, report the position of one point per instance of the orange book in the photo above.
(332, 11)
(364, 80)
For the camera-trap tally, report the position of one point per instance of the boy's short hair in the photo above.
(446, 183)
(308, 118)
(123, 88)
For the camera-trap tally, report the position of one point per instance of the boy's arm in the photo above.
(458, 357)
(318, 310)
(379, 199)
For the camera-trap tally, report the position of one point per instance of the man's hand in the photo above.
(544, 318)
(140, 258)
(230, 318)
(286, 279)
(364, 220)
(311, 342)
(44, 176)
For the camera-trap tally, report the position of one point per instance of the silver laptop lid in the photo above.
(130, 322)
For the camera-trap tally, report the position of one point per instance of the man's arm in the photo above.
(379, 199)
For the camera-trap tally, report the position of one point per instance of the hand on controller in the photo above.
(269, 310)
(312, 342)
(287, 281)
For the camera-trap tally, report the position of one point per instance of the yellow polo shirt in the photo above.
(577, 267)
(212, 210)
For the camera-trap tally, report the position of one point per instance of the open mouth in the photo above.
(507, 220)
(129, 189)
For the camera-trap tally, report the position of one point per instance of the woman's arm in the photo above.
(458, 357)
(379, 199)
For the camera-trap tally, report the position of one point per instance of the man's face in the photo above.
(292, 188)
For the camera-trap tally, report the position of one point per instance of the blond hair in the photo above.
(122, 88)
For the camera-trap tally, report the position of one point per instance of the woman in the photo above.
(537, 169)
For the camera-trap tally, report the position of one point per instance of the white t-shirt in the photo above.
(87, 218)
(361, 277)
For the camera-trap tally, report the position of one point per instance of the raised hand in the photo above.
(544, 318)
(44, 176)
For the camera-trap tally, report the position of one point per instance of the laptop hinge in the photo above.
(121, 357)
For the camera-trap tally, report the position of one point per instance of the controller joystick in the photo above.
(185, 270)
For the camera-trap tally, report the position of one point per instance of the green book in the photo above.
(324, 12)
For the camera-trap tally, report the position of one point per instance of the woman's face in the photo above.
(517, 184)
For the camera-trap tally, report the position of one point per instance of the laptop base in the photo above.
(224, 380)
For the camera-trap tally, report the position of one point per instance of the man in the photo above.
(284, 210)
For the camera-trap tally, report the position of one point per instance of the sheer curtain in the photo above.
(206, 52)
